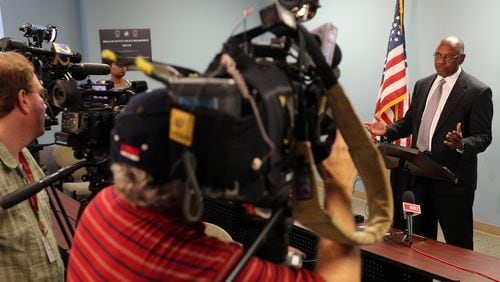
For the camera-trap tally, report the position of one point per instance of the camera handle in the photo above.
(256, 244)
(98, 180)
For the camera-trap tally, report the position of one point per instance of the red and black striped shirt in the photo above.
(119, 242)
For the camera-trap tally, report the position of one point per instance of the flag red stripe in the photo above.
(394, 78)
(395, 97)
(392, 99)
(395, 60)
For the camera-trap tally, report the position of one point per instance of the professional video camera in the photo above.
(88, 115)
(57, 68)
(252, 107)
(88, 109)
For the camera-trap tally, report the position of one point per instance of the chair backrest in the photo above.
(216, 231)
(64, 156)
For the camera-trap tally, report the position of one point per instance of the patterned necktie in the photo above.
(428, 116)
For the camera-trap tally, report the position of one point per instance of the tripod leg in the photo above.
(83, 205)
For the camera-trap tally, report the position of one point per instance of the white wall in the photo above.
(1, 23)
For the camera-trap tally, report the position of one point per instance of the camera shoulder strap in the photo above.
(373, 172)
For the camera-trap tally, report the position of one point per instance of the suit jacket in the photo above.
(470, 103)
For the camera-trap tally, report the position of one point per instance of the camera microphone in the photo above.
(82, 70)
(9, 44)
(161, 72)
(60, 54)
(109, 57)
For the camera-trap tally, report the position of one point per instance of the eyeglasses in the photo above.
(447, 58)
(43, 93)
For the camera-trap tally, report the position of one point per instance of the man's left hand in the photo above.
(454, 138)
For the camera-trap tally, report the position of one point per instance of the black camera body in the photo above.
(234, 160)
(227, 142)
(88, 115)
(39, 33)
(256, 114)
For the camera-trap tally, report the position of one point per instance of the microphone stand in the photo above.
(409, 229)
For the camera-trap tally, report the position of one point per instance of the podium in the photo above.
(405, 164)
(416, 162)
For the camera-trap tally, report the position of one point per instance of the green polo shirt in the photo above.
(22, 252)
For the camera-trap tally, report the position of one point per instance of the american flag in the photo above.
(393, 98)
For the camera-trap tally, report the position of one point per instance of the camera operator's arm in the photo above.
(337, 261)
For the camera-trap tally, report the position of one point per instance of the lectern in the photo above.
(405, 163)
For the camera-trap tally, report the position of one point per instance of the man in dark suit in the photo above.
(450, 118)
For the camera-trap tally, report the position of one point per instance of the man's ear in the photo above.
(22, 101)
(461, 59)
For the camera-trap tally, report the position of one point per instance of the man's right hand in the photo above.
(376, 127)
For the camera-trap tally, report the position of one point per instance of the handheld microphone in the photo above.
(410, 209)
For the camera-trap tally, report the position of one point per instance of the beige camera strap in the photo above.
(370, 166)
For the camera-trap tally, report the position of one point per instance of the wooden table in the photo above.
(393, 259)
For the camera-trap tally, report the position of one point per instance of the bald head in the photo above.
(454, 42)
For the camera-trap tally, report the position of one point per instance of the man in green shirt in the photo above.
(28, 249)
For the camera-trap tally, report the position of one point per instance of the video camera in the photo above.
(39, 33)
(89, 113)
(88, 109)
(249, 118)
(252, 111)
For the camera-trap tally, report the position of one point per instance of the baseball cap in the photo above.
(140, 136)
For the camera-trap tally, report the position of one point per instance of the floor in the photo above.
(483, 242)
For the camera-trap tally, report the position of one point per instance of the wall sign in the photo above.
(129, 43)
